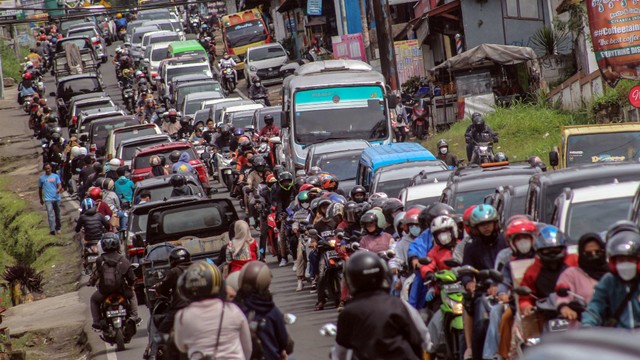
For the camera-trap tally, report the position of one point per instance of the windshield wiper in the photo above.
(318, 141)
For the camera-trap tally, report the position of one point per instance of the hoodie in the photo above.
(401, 249)
(182, 165)
(93, 223)
(123, 187)
(272, 331)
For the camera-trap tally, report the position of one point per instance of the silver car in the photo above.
(265, 61)
(97, 40)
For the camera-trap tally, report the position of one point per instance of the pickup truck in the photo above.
(74, 55)
(201, 226)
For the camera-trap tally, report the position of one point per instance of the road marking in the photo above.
(111, 353)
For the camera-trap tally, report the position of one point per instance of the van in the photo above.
(375, 157)
(186, 48)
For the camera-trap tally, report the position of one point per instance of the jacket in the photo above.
(182, 165)
(269, 131)
(378, 243)
(481, 255)
(401, 249)
(110, 198)
(607, 297)
(123, 187)
(168, 287)
(472, 136)
(272, 332)
(93, 223)
(389, 328)
(124, 269)
(438, 254)
(421, 245)
(542, 284)
(281, 198)
(183, 190)
(579, 282)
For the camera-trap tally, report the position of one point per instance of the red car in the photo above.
(140, 167)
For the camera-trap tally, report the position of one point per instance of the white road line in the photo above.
(111, 352)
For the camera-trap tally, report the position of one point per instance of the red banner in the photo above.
(615, 33)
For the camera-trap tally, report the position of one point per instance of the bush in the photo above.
(11, 67)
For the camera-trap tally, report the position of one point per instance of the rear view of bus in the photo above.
(243, 30)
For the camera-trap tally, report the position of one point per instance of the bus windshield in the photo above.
(246, 33)
(321, 114)
(602, 147)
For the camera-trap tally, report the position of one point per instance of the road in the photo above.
(305, 332)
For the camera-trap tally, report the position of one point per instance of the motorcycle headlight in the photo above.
(332, 243)
(456, 307)
(253, 68)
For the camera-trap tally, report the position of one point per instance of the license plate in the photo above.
(332, 254)
(227, 171)
(92, 258)
(272, 73)
(116, 313)
(558, 325)
(453, 288)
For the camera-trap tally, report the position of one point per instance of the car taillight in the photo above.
(74, 120)
(93, 148)
(231, 52)
(136, 251)
(154, 75)
(139, 177)
(95, 40)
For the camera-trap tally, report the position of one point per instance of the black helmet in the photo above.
(277, 169)
(334, 210)
(268, 119)
(624, 243)
(255, 277)
(178, 180)
(314, 170)
(259, 163)
(246, 146)
(442, 143)
(351, 211)
(365, 272)
(174, 156)
(299, 182)
(379, 202)
(369, 217)
(313, 180)
(110, 242)
(391, 206)
(225, 129)
(477, 121)
(284, 176)
(431, 212)
(500, 156)
(200, 281)
(53, 118)
(179, 255)
(620, 226)
(55, 136)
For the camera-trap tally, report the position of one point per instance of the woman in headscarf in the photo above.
(157, 166)
(242, 248)
(582, 279)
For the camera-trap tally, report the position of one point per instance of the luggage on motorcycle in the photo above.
(111, 280)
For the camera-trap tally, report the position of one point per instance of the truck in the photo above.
(243, 30)
(331, 100)
(600, 143)
(73, 56)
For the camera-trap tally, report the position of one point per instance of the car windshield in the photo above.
(392, 187)
(166, 26)
(158, 54)
(188, 220)
(188, 70)
(465, 199)
(137, 36)
(164, 191)
(193, 105)
(319, 114)
(129, 151)
(582, 218)
(80, 43)
(67, 24)
(155, 15)
(343, 166)
(93, 106)
(241, 121)
(85, 32)
(276, 119)
(79, 86)
(603, 147)
(245, 33)
(164, 38)
(130, 134)
(265, 53)
(141, 161)
(101, 130)
(190, 89)
(424, 201)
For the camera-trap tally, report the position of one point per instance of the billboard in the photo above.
(615, 33)
(409, 59)
(348, 47)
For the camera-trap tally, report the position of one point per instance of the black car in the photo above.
(73, 85)
(508, 200)
(160, 188)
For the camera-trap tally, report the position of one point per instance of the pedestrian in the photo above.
(49, 189)
(242, 248)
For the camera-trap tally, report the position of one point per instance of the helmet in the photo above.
(255, 277)
(55, 136)
(277, 169)
(285, 176)
(174, 156)
(118, 16)
(126, 72)
(268, 119)
(83, 151)
(305, 187)
(370, 217)
(87, 204)
(245, 145)
(314, 205)
(397, 221)
(365, 271)
(391, 206)
(95, 193)
(500, 156)
(27, 75)
(429, 213)
(519, 226)
(444, 223)
(411, 216)
(550, 244)
(75, 151)
(314, 192)
(620, 226)
(225, 128)
(314, 170)
(110, 242)
(314, 181)
(379, 203)
(358, 193)
(178, 180)
(107, 184)
(329, 182)
(477, 121)
(334, 210)
(624, 243)
(466, 217)
(376, 196)
(114, 162)
(351, 211)
(481, 214)
(179, 255)
(154, 160)
(337, 198)
(442, 143)
(238, 132)
(303, 197)
(271, 179)
(201, 280)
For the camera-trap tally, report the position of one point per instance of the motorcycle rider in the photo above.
(113, 166)
(393, 329)
(390, 209)
(92, 222)
(445, 155)
(376, 239)
(226, 138)
(121, 22)
(171, 124)
(26, 87)
(401, 120)
(269, 130)
(180, 186)
(474, 133)
(108, 282)
(257, 91)
(358, 194)
(281, 196)
(124, 186)
(225, 61)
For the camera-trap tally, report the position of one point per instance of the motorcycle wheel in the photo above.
(334, 288)
(419, 132)
(228, 180)
(119, 340)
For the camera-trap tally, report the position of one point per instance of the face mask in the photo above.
(523, 246)
(444, 238)
(414, 230)
(305, 205)
(627, 270)
(443, 150)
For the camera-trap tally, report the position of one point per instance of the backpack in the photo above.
(111, 280)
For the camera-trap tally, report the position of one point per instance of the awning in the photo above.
(422, 29)
(288, 5)
(488, 54)
(400, 33)
(317, 20)
(444, 9)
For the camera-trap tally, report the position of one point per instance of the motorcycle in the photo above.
(90, 253)
(225, 159)
(122, 33)
(119, 327)
(262, 98)
(206, 154)
(228, 79)
(128, 98)
(332, 273)
(194, 24)
(420, 119)
(26, 105)
(483, 149)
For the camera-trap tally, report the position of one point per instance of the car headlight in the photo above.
(253, 68)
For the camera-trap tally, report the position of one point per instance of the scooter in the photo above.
(332, 274)
(225, 158)
(128, 97)
(26, 105)
(262, 98)
(483, 150)
(420, 121)
(206, 156)
(119, 328)
(228, 79)
(90, 253)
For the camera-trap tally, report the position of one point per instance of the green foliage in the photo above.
(613, 97)
(10, 62)
(411, 85)
(547, 40)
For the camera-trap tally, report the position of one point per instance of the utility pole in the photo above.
(382, 16)
(365, 30)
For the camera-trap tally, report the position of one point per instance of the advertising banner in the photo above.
(615, 33)
(314, 7)
(348, 47)
(408, 59)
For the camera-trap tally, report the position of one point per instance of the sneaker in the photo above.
(313, 291)
(284, 263)
(300, 286)
(319, 306)
(295, 267)
(52, 233)
(137, 320)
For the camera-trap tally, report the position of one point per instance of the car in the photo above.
(544, 188)
(424, 177)
(242, 120)
(171, 71)
(157, 53)
(338, 157)
(99, 43)
(85, 102)
(391, 179)
(508, 201)
(592, 208)
(128, 148)
(155, 37)
(218, 105)
(135, 43)
(140, 167)
(258, 117)
(160, 187)
(116, 136)
(167, 25)
(423, 194)
(185, 85)
(264, 61)
(99, 130)
(87, 116)
(73, 85)
(199, 118)
(193, 102)
(227, 111)
(60, 67)
(172, 61)
(131, 26)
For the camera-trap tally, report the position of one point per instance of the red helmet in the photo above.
(411, 216)
(95, 193)
(519, 226)
(271, 179)
(305, 187)
(466, 217)
(329, 182)
(27, 76)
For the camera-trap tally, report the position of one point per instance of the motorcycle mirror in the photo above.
(313, 232)
(562, 290)
(495, 275)
(289, 318)
(522, 290)
(554, 158)
(275, 140)
(329, 330)
(424, 261)
(452, 263)
(355, 246)
(466, 270)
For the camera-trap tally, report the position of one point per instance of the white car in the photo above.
(157, 53)
(264, 61)
(423, 194)
(229, 110)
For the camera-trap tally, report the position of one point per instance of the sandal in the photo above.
(319, 306)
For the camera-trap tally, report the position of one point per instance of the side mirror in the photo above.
(554, 158)
(424, 261)
(452, 263)
(284, 119)
(522, 291)
(53, 93)
(138, 241)
(275, 140)
(562, 290)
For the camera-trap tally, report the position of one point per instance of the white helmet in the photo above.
(114, 162)
(75, 151)
(441, 224)
(28, 65)
(83, 151)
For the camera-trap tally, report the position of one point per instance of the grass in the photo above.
(10, 63)
(524, 131)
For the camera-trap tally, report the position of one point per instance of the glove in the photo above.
(430, 295)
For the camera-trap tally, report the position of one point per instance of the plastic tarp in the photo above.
(488, 54)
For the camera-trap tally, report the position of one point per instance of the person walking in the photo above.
(49, 189)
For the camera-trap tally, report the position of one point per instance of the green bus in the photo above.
(186, 48)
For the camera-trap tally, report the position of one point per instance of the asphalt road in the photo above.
(305, 332)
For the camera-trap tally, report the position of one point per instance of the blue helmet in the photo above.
(483, 213)
(87, 204)
(550, 237)
(238, 132)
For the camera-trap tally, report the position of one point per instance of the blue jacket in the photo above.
(421, 245)
(123, 187)
(272, 331)
(183, 165)
(120, 23)
(607, 297)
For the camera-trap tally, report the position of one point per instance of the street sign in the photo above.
(634, 96)
(314, 7)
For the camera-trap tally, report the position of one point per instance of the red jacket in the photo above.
(531, 276)
(438, 254)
